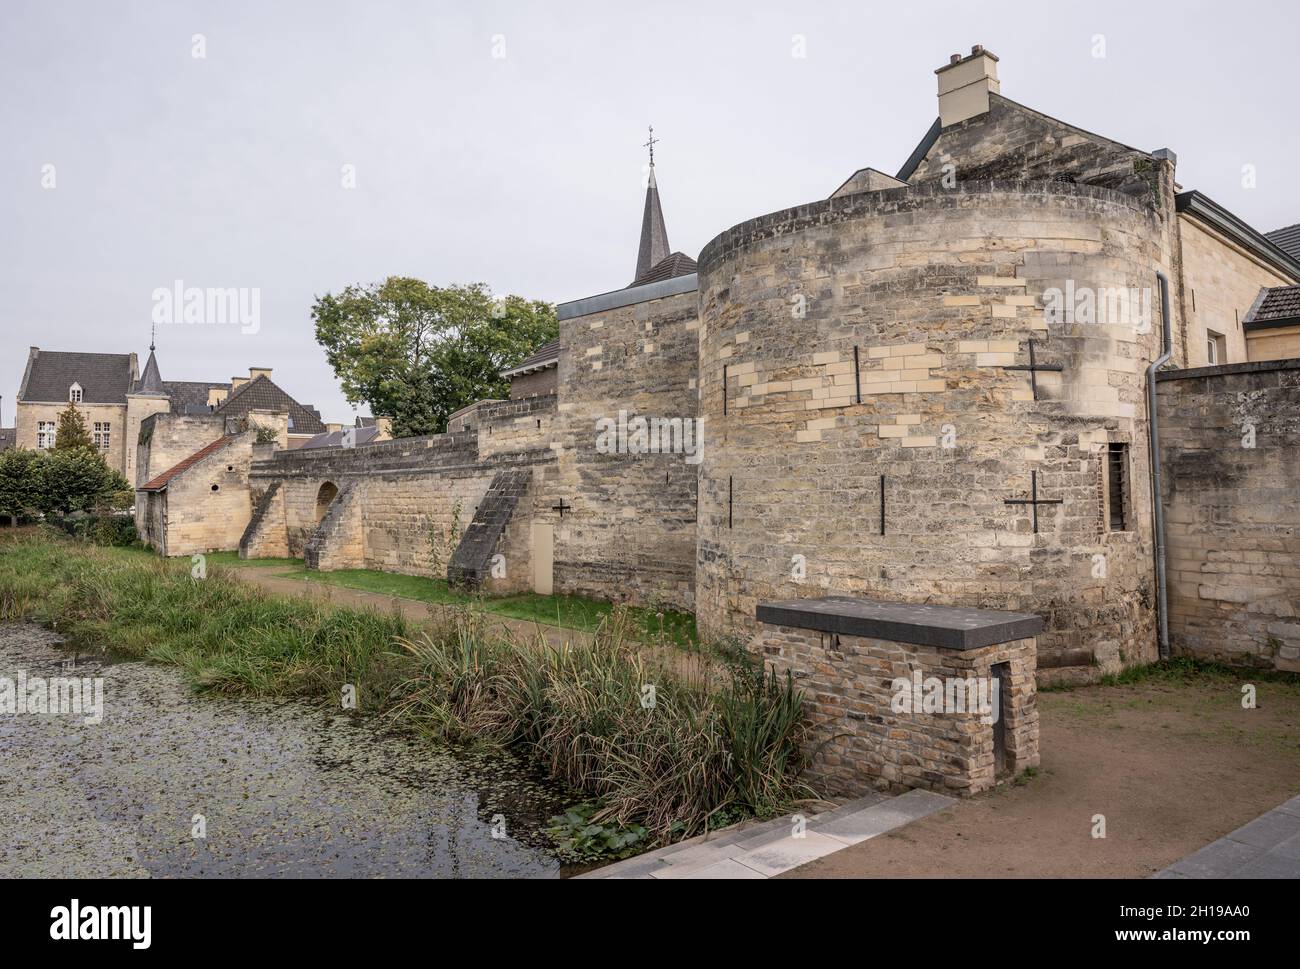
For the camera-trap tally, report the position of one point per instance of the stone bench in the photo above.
(904, 696)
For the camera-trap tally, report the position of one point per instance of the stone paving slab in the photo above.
(778, 856)
(767, 848)
(1268, 847)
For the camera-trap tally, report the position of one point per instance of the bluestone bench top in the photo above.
(951, 627)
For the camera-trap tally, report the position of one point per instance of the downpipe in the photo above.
(1153, 440)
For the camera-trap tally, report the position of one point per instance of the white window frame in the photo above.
(46, 431)
(1216, 347)
(103, 434)
(74, 394)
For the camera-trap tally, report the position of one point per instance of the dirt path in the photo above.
(1171, 766)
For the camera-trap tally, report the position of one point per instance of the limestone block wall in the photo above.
(208, 506)
(151, 517)
(628, 529)
(1013, 142)
(1221, 282)
(516, 426)
(1230, 455)
(138, 410)
(165, 440)
(919, 300)
(413, 522)
(28, 416)
(265, 536)
(338, 541)
(414, 497)
(866, 742)
(1278, 343)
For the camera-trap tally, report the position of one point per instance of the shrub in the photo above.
(664, 741)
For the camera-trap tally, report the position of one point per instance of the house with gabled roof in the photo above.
(116, 397)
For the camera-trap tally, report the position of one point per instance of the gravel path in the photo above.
(285, 788)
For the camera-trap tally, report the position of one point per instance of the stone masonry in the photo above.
(1230, 451)
(871, 336)
(865, 739)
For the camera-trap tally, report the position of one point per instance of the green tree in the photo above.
(78, 479)
(72, 431)
(21, 481)
(418, 353)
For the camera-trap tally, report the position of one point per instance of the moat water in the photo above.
(274, 788)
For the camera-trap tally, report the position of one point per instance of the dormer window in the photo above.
(74, 394)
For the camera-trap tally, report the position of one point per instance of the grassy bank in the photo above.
(675, 747)
(571, 612)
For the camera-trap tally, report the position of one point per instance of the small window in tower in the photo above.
(1216, 348)
(1117, 487)
(216, 487)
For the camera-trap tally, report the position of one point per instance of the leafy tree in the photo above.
(418, 353)
(78, 479)
(72, 431)
(21, 480)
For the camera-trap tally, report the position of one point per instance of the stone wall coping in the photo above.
(627, 297)
(1224, 369)
(948, 627)
(824, 212)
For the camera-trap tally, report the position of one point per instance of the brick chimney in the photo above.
(965, 84)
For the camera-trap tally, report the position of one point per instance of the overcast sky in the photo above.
(501, 142)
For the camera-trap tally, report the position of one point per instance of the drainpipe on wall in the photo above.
(1157, 500)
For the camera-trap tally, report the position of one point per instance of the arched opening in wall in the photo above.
(328, 492)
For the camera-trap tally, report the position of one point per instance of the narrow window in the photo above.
(1216, 348)
(1117, 485)
(102, 434)
(45, 435)
(74, 394)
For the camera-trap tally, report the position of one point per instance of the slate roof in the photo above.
(8, 438)
(262, 393)
(191, 396)
(364, 435)
(547, 355)
(1287, 239)
(654, 234)
(151, 382)
(161, 482)
(1278, 306)
(670, 267)
(105, 378)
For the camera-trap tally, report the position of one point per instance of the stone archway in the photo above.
(324, 498)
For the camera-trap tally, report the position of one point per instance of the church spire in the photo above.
(151, 380)
(654, 235)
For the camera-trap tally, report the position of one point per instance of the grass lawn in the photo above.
(570, 612)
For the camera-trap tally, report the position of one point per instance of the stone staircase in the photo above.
(471, 563)
(254, 540)
(337, 541)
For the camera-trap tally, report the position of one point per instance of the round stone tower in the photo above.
(875, 428)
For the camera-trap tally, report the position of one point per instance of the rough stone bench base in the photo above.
(864, 741)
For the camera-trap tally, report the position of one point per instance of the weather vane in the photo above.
(651, 145)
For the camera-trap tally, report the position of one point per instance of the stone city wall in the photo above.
(1230, 458)
(920, 300)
